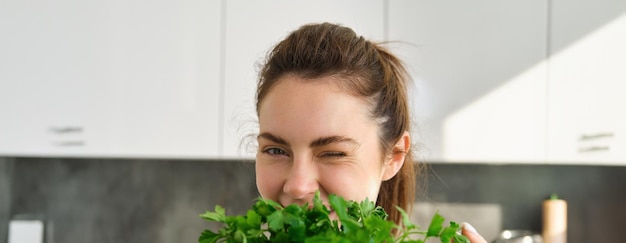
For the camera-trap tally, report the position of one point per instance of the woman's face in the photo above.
(314, 136)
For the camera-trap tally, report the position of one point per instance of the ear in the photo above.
(395, 161)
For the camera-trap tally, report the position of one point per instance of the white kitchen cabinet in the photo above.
(587, 80)
(516, 81)
(480, 77)
(110, 78)
(252, 28)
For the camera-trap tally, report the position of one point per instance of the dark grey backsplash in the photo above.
(93, 200)
(596, 195)
(105, 200)
(5, 196)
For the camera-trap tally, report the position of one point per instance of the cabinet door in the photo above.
(252, 28)
(111, 78)
(45, 67)
(479, 74)
(587, 123)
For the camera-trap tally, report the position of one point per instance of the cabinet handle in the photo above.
(586, 137)
(594, 149)
(66, 129)
(76, 143)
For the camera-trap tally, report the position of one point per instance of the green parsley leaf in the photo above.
(276, 221)
(219, 215)
(268, 221)
(436, 224)
(448, 233)
(460, 239)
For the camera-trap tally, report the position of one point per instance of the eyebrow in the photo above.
(271, 137)
(332, 139)
(323, 141)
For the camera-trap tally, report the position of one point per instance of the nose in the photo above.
(302, 181)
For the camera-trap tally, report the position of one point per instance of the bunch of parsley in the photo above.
(268, 221)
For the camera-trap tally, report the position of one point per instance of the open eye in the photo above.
(275, 152)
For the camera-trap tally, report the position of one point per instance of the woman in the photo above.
(334, 117)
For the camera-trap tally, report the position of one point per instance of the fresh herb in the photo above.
(268, 221)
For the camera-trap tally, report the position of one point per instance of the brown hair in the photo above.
(369, 71)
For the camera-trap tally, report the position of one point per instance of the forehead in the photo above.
(296, 92)
(330, 83)
(315, 107)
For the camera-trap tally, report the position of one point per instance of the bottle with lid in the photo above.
(554, 220)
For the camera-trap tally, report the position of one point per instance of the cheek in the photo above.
(352, 183)
(268, 183)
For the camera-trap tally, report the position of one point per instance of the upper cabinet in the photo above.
(521, 81)
(252, 29)
(528, 81)
(587, 80)
(479, 75)
(110, 78)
